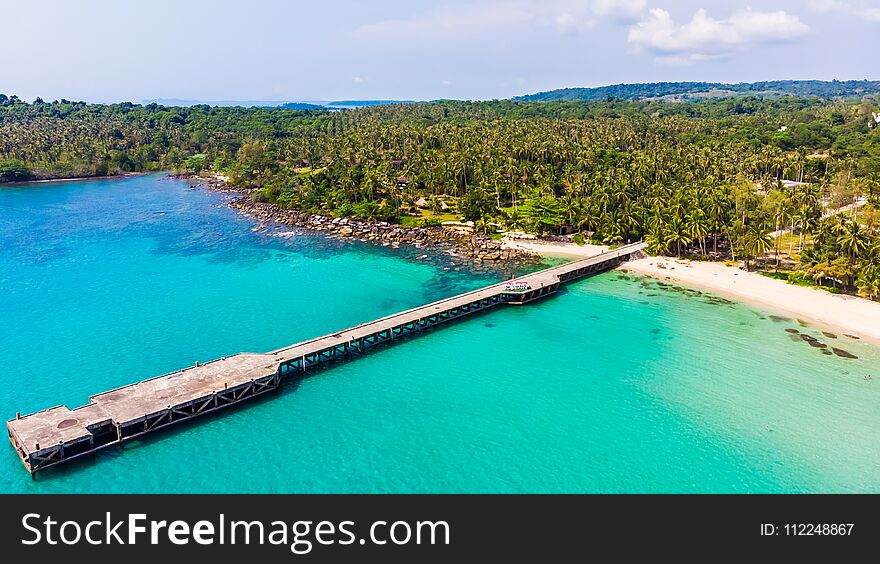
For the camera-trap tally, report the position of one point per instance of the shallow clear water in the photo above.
(616, 385)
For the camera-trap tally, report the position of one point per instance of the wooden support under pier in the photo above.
(59, 434)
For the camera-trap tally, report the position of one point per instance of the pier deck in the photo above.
(58, 434)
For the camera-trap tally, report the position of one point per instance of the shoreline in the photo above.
(850, 315)
(846, 314)
(76, 178)
(479, 250)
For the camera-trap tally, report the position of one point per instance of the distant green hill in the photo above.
(696, 90)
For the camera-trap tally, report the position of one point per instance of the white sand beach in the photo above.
(846, 314)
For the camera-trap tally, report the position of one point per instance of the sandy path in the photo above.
(554, 249)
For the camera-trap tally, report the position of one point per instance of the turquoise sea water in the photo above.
(616, 385)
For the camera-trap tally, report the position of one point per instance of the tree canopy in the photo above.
(710, 178)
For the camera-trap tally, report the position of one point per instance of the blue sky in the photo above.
(102, 50)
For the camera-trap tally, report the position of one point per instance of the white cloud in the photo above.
(706, 38)
(359, 79)
(869, 13)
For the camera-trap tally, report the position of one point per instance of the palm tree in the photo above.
(756, 243)
(781, 216)
(483, 225)
(543, 213)
(852, 239)
(513, 220)
(698, 228)
(677, 234)
(868, 281)
(718, 209)
(806, 218)
(657, 241)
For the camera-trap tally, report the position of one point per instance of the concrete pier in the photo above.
(58, 434)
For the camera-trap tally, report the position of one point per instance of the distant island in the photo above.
(301, 106)
(285, 105)
(366, 103)
(672, 91)
(182, 102)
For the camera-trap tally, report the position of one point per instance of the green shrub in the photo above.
(800, 279)
(12, 171)
(777, 275)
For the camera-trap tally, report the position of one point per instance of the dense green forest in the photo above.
(699, 179)
(802, 88)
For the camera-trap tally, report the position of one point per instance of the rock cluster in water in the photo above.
(816, 343)
(475, 247)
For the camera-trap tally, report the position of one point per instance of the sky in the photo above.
(134, 50)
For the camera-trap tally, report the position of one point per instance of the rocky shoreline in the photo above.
(476, 248)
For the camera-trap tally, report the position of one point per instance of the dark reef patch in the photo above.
(813, 341)
(715, 300)
(842, 353)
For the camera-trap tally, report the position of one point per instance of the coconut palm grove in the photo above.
(789, 185)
